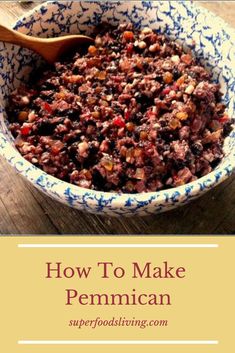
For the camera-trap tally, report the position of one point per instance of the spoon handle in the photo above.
(10, 36)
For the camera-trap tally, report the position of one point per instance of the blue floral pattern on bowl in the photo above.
(180, 20)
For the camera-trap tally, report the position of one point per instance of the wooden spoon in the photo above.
(49, 48)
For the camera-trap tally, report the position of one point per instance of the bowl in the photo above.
(179, 20)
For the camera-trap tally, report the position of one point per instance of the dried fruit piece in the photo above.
(127, 115)
(101, 75)
(86, 174)
(167, 77)
(182, 115)
(82, 148)
(104, 103)
(91, 100)
(128, 35)
(96, 115)
(75, 78)
(154, 47)
(140, 174)
(142, 45)
(174, 124)
(57, 146)
(130, 48)
(34, 160)
(107, 163)
(139, 64)
(146, 30)
(25, 129)
(92, 50)
(118, 121)
(31, 116)
(123, 151)
(124, 65)
(109, 98)
(143, 135)
(166, 90)
(181, 80)
(215, 125)
(130, 126)
(212, 137)
(175, 59)
(98, 89)
(94, 62)
(138, 152)
(186, 58)
(130, 155)
(60, 95)
(224, 119)
(130, 187)
(98, 41)
(47, 107)
(189, 89)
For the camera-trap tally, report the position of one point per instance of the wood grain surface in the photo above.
(24, 210)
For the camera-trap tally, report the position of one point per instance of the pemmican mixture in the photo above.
(134, 114)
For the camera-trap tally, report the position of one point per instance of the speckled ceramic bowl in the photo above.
(179, 20)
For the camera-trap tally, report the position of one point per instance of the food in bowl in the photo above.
(135, 114)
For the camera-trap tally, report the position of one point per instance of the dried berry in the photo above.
(23, 116)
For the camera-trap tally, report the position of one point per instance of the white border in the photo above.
(114, 342)
(118, 246)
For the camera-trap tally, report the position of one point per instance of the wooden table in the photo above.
(23, 209)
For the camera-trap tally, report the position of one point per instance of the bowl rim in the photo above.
(12, 155)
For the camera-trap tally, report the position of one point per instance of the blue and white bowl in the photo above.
(215, 46)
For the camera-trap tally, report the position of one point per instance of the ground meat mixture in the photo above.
(133, 114)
